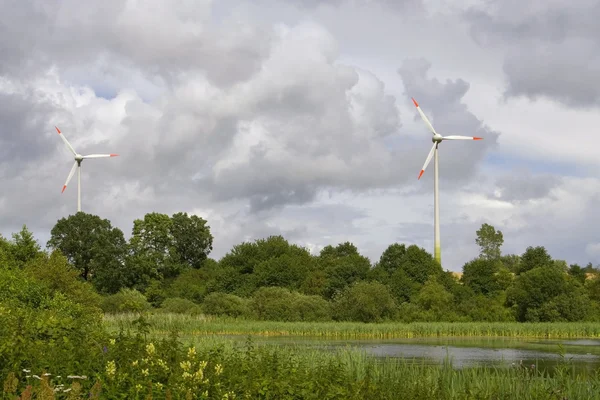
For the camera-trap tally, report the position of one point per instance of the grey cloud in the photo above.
(551, 48)
(522, 186)
(164, 39)
(441, 103)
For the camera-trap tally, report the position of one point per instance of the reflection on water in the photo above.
(544, 355)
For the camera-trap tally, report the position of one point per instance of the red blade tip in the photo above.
(57, 130)
(64, 187)
(477, 138)
(414, 101)
(420, 174)
(114, 155)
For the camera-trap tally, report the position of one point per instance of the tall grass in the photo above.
(204, 325)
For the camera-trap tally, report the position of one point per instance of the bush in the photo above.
(126, 300)
(218, 303)
(279, 304)
(180, 306)
(43, 323)
(365, 302)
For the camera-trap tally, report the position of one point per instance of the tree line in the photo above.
(166, 265)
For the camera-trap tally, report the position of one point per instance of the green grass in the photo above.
(203, 325)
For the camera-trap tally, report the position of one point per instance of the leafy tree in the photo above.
(192, 239)
(577, 273)
(535, 257)
(490, 241)
(25, 247)
(435, 299)
(343, 265)
(419, 265)
(545, 294)
(364, 301)
(512, 262)
(94, 247)
(480, 275)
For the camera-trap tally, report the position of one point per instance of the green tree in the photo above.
(343, 265)
(490, 241)
(535, 257)
(364, 301)
(25, 248)
(419, 265)
(480, 275)
(94, 247)
(192, 239)
(577, 273)
(391, 259)
(153, 253)
(546, 294)
(435, 300)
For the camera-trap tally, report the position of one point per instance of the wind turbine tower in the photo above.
(77, 165)
(436, 139)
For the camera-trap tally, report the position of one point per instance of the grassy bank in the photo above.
(201, 325)
(137, 368)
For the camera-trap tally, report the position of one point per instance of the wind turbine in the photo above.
(78, 159)
(436, 139)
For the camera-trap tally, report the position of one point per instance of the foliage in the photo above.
(280, 304)
(180, 306)
(218, 303)
(490, 241)
(365, 302)
(94, 248)
(126, 300)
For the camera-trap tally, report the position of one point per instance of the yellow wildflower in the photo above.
(205, 394)
(159, 385)
(135, 363)
(199, 374)
(138, 386)
(112, 341)
(185, 365)
(145, 372)
(111, 368)
(203, 364)
(191, 352)
(218, 369)
(150, 348)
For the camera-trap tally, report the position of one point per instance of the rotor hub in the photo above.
(437, 139)
(78, 158)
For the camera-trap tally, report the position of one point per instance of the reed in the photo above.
(161, 323)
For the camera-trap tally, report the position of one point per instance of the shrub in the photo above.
(126, 300)
(279, 304)
(218, 303)
(364, 301)
(180, 306)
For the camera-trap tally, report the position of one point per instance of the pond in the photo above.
(541, 354)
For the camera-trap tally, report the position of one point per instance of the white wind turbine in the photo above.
(78, 159)
(437, 139)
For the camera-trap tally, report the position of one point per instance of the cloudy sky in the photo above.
(294, 117)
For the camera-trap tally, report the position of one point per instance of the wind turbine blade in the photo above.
(424, 117)
(66, 141)
(428, 160)
(101, 155)
(461, 138)
(70, 176)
